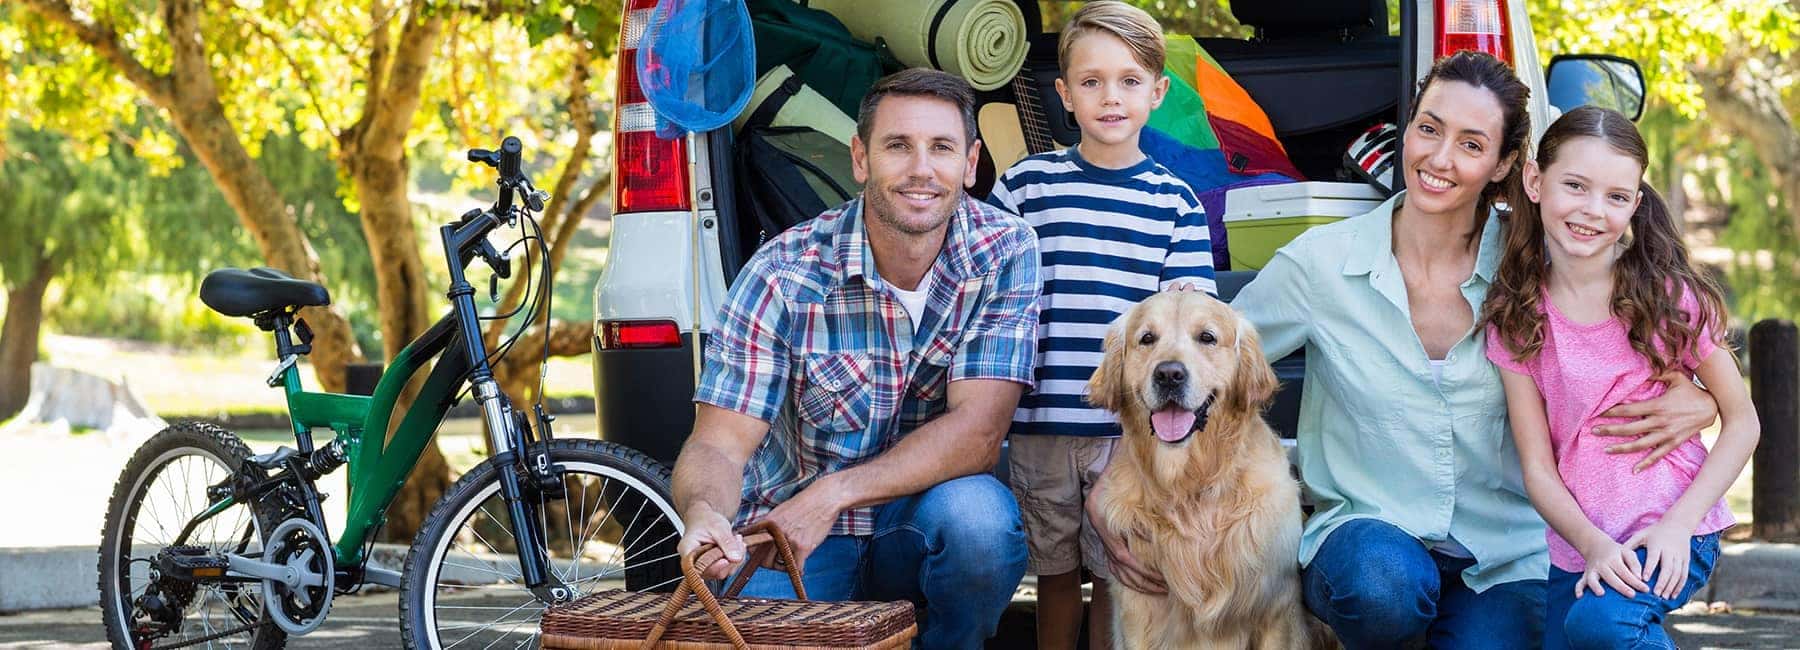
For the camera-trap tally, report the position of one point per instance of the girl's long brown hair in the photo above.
(1648, 278)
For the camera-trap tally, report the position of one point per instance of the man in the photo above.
(863, 373)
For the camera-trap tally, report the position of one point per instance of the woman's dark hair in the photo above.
(1648, 279)
(1483, 71)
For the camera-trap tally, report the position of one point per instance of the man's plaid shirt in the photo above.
(812, 341)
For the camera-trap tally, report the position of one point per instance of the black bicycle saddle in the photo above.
(248, 292)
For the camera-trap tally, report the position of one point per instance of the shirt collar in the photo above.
(1487, 261)
(1374, 238)
(1375, 242)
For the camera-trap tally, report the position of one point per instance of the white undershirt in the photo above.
(914, 301)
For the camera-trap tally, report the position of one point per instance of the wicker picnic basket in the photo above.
(625, 620)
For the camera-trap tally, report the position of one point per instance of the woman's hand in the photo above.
(1664, 422)
(1665, 545)
(1611, 563)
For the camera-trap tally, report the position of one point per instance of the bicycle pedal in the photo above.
(191, 563)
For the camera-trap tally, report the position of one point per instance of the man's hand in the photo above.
(806, 518)
(1664, 422)
(1125, 567)
(706, 526)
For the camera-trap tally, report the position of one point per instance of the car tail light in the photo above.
(1478, 25)
(649, 173)
(639, 334)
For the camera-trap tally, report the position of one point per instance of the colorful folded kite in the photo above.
(1209, 132)
(1206, 109)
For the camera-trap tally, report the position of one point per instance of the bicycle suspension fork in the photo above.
(502, 427)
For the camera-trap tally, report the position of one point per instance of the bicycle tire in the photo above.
(645, 548)
(215, 453)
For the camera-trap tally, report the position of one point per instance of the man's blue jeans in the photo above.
(1378, 587)
(1611, 620)
(957, 549)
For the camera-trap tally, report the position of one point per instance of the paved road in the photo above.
(369, 621)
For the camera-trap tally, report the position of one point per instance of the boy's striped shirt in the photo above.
(1108, 238)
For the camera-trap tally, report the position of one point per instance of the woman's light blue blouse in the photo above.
(1377, 436)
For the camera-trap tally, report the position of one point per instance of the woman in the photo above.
(1422, 525)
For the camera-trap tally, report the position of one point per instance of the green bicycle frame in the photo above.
(379, 464)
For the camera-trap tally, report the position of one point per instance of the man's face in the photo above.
(916, 163)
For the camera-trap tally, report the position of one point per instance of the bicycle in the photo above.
(206, 543)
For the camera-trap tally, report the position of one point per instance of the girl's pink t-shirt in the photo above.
(1581, 371)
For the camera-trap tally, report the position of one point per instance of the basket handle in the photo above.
(763, 536)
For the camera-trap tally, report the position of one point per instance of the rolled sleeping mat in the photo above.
(983, 41)
(796, 105)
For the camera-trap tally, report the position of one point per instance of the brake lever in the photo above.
(501, 265)
(534, 197)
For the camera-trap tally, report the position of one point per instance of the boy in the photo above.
(1113, 227)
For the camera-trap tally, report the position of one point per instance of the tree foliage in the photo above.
(366, 82)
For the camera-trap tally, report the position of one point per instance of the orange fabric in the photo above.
(1225, 99)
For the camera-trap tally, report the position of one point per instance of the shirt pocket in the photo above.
(1370, 385)
(932, 378)
(835, 394)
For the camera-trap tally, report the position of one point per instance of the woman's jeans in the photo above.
(958, 549)
(1378, 587)
(1611, 620)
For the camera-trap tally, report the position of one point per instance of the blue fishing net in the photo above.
(696, 64)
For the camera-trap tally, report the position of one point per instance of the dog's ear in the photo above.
(1109, 379)
(1255, 379)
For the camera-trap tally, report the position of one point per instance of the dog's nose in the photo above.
(1170, 374)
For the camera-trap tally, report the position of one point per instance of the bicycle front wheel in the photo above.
(616, 527)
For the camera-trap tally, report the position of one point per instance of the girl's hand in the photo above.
(1611, 563)
(1665, 545)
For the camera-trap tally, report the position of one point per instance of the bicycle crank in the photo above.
(299, 597)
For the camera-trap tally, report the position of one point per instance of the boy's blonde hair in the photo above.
(1130, 24)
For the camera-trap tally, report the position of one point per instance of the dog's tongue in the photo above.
(1172, 423)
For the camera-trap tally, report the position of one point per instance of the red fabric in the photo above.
(1248, 152)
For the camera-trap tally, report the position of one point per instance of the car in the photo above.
(1322, 70)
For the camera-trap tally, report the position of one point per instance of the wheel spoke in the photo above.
(595, 486)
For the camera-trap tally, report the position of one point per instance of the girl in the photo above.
(1594, 303)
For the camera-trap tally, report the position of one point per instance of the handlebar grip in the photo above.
(509, 157)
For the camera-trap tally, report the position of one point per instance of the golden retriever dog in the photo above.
(1199, 486)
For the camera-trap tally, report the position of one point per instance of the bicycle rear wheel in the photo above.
(163, 487)
(616, 528)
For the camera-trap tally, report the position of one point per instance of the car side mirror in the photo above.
(1602, 80)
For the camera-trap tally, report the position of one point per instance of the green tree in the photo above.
(358, 74)
(62, 215)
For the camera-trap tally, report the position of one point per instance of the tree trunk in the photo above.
(520, 373)
(1742, 97)
(19, 338)
(190, 99)
(373, 152)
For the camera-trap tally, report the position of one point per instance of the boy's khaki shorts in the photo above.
(1051, 476)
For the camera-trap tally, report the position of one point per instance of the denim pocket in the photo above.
(1705, 556)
